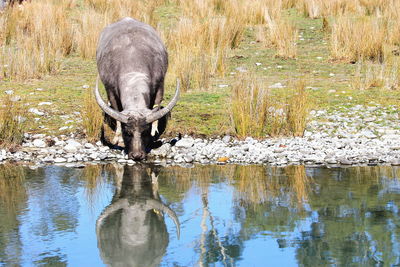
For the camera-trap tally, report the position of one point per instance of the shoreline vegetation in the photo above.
(247, 68)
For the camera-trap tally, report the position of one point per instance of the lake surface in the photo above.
(223, 215)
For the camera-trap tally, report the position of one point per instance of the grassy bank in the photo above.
(210, 46)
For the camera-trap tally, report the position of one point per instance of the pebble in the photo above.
(45, 103)
(276, 85)
(60, 160)
(39, 143)
(395, 162)
(15, 98)
(185, 143)
(241, 69)
(188, 158)
(226, 139)
(36, 111)
(89, 146)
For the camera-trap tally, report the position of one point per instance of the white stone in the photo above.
(185, 143)
(277, 85)
(369, 119)
(89, 146)
(45, 103)
(94, 155)
(188, 158)
(78, 157)
(36, 111)
(241, 69)
(59, 143)
(60, 160)
(15, 98)
(71, 160)
(226, 139)
(74, 143)
(368, 134)
(71, 148)
(39, 143)
(162, 151)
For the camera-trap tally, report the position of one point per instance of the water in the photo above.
(228, 216)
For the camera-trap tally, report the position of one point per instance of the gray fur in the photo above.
(132, 62)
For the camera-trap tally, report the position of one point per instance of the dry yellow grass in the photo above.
(250, 102)
(92, 117)
(281, 34)
(198, 49)
(32, 46)
(297, 110)
(91, 24)
(312, 8)
(12, 121)
(374, 75)
(354, 39)
(254, 113)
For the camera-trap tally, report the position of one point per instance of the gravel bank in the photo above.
(366, 135)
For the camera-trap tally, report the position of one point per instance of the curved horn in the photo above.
(108, 110)
(119, 204)
(162, 112)
(162, 207)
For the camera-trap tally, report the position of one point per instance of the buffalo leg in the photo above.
(118, 140)
(114, 125)
(157, 103)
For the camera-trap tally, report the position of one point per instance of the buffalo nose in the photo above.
(137, 155)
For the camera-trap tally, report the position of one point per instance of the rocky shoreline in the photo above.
(331, 138)
(282, 151)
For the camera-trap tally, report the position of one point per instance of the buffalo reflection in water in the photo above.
(131, 231)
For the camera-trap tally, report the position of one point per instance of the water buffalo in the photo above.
(131, 231)
(132, 62)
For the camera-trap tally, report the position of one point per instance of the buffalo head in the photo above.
(137, 123)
